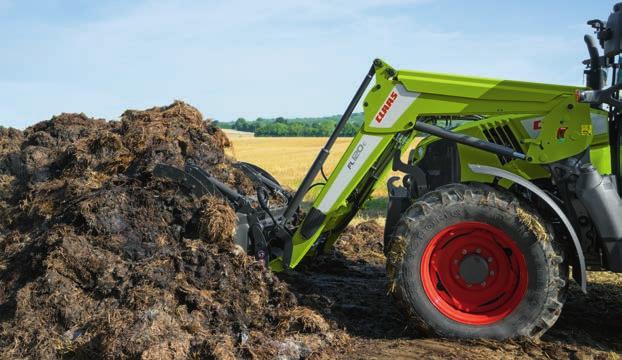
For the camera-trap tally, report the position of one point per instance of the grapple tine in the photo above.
(198, 188)
(209, 181)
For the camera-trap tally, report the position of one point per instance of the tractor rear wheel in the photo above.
(472, 261)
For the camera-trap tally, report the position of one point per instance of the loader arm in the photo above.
(392, 108)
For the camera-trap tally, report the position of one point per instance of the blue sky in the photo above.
(266, 58)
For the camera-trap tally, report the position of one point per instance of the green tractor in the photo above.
(513, 184)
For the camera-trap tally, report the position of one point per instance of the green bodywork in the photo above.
(400, 97)
(518, 125)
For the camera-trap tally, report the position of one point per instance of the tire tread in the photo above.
(482, 195)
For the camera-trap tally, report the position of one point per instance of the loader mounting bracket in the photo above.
(420, 184)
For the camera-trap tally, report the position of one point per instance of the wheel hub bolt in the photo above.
(464, 251)
(492, 273)
(483, 283)
(457, 276)
(455, 261)
(478, 250)
(490, 259)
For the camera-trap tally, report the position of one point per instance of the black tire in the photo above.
(547, 272)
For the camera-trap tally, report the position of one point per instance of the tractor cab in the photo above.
(609, 37)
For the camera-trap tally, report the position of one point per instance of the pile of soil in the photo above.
(100, 259)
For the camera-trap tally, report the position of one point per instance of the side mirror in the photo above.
(611, 35)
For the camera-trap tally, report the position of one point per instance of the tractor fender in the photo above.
(579, 276)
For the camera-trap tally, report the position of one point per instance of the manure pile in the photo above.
(100, 259)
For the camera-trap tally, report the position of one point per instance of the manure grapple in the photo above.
(511, 184)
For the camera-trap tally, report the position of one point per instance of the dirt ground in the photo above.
(349, 288)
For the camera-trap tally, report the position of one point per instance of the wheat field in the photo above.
(289, 158)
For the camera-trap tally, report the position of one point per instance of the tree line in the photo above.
(321, 126)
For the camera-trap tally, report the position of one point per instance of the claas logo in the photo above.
(537, 125)
(387, 105)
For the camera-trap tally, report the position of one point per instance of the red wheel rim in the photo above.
(474, 273)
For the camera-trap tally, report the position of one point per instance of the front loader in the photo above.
(510, 185)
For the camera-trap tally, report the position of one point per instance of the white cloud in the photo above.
(260, 58)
